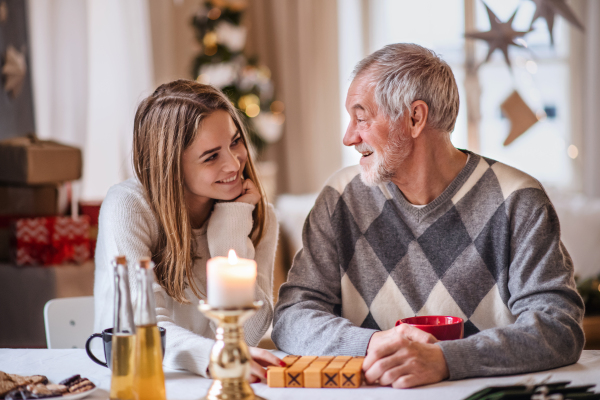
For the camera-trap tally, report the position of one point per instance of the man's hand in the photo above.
(404, 357)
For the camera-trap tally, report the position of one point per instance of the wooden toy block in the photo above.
(276, 377)
(312, 374)
(342, 358)
(325, 358)
(351, 374)
(290, 360)
(331, 374)
(294, 375)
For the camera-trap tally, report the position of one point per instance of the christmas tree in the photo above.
(222, 64)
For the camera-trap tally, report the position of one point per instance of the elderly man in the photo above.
(422, 228)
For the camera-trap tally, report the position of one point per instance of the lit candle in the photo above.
(230, 281)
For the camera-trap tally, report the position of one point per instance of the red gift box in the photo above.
(50, 240)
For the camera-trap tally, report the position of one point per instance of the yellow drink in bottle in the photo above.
(149, 378)
(121, 383)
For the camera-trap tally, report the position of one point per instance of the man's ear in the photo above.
(419, 111)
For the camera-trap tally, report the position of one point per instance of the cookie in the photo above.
(82, 386)
(70, 380)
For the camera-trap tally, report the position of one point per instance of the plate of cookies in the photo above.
(17, 387)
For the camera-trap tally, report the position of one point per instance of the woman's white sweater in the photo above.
(127, 226)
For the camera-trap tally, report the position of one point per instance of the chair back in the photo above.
(69, 322)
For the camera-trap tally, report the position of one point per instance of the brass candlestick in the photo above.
(230, 358)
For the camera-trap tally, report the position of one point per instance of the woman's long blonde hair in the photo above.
(166, 123)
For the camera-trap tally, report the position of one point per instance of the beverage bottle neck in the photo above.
(145, 313)
(123, 311)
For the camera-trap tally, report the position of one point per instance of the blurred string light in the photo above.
(250, 103)
(210, 43)
(573, 152)
(531, 67)
(277, 107)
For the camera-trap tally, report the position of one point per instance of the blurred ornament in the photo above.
(269, 126)
(519, 114)
(277, 107)
(548, 8)
(218, 75)
(3, 11)
(214, 13)
(14, 70)
(500, 35)
(234, 37)
(246, 100)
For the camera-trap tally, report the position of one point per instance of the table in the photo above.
(60, 364)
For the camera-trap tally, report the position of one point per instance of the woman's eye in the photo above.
(213, 157)
(235, 141)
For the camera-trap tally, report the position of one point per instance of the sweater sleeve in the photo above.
(547, 332)
(186, 350)
(307, 316)
(229, 227)
(126, 227)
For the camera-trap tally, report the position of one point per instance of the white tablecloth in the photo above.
(60, 364)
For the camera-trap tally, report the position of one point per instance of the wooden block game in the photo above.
(317, 372)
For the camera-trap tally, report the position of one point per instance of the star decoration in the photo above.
(500, 35)
(13, 71)
(548, 8)
(519, 114)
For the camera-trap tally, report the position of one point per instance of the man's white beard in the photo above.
(386, 162)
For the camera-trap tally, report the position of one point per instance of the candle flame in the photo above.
(232, 257)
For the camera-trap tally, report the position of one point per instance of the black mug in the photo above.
(106, 336)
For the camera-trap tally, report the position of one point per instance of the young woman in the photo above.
(195, 195)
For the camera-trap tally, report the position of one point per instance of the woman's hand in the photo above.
(250, 193)
(262, 358)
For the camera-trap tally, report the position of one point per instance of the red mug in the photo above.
(440, 326)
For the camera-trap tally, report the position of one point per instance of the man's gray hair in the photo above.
(403, 73)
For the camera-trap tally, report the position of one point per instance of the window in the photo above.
(540, 73)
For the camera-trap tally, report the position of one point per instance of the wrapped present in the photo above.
(92, 210)
(27, 160)
(50, 240)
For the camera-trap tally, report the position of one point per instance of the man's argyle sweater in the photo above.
(487, 250)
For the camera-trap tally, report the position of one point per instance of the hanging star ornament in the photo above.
(500, 35)
(13, 71)
(519, 114)
(547, 9)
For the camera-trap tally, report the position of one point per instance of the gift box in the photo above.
(91, 209)
(28, 160)
(19, 201)
(50, 240)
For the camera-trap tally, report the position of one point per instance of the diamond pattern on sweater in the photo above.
(390, 305)
(492, 311)
(468, 265)
(367, 216)
(388, 225)
(481, 168)
(446, 262)
(366, 278)
(415, 276)
(492, 243)
(354, 307)
(370, 323)
(444, 240)
(473, 209)
(347, 232)
(440, 302)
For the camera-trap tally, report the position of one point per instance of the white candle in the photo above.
(230, 281)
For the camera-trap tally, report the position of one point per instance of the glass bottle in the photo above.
(123, 340)
(149, 378)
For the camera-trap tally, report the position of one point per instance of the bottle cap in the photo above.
(146, 263)
(122, 260)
